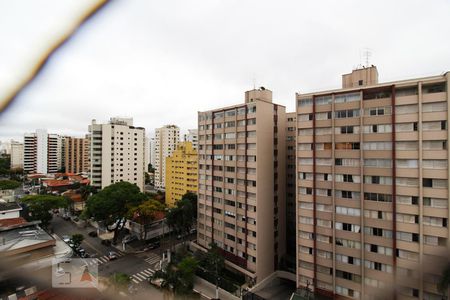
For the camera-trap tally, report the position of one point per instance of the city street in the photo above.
(138, 266)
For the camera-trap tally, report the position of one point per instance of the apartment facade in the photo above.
(192, 136)
(76, 155)
(166, 141)
(16, 155)
(241, 197)
(42, 152)
(291, 241)
(117, 153)
(181, 173)
(152, 151)
(372, 187)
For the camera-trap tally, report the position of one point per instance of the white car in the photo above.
(66, 238)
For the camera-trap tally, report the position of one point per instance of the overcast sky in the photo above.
(162, 61)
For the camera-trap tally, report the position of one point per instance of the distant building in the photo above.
(192, 136)
(117, 153)
(241, 195)
(166, 140)
(291, 241)
(42, 152)
(181, 173)
(16, 155)
(152, 151)
(76, 158)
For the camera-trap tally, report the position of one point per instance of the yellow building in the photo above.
(181, 173)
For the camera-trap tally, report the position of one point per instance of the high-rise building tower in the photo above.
(42, 152)
(192, 136)
(16, 155)
(181, 173)
(166, 140)
(117, 153)
(241, 197)
(372, 187)
(76, 158)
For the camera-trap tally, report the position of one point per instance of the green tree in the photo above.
(77, 239)
(444, 282)
(112, 204)
(86, 191)
(5, 164)
(179, 276)
(9, 184)
(39, 206)
(120, 280)
(213, 262)
(145, 214)
(181, 218)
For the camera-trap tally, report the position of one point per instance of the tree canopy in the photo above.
(39, 206)
(9, 184)
(145, 213)
(182, 217)
(112, 204)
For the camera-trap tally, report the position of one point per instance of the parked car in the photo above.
(112, 255)
(66, 238)
(66, 217)
(152, 246)
(106, 242)
(93, 233)
(193, 230)
(129, 238)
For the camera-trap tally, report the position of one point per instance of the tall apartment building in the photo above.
(76, 154)
(192, 136)
(373, 187)
(241, 197)
(291, 241)
(166, 140)
(42, 152)
(16, 155)
(152, 151)
(181, 173)
(117, 153)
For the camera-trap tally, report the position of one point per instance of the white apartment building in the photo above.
(192, 136)
(152, 151)
(16, 155)
(117, 153)
(42, 152)
(166, 141)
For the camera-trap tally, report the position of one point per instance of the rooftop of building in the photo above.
(399, 83)
(21, 237)
(9, 206)
(11, 222)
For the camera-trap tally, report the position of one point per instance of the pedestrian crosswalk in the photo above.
(103, 259)
(153, 258)
(142, 275)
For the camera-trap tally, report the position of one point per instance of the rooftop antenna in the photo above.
(254, 81)
(367, 54)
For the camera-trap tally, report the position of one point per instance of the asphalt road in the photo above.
(138, 266)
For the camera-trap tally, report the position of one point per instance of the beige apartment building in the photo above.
(291, 241)
(76, 154)
(16, 155)
(372, 180)
(117, 153)
(241, 197)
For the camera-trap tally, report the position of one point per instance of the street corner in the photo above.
(74, 273)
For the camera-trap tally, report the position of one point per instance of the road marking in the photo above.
(147, 272)
(139, 276)
(103, 259)
(135, 281)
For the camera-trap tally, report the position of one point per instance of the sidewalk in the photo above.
(208, 290)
